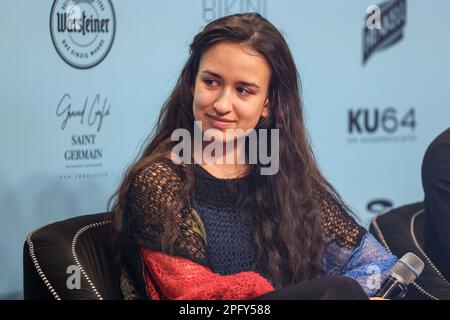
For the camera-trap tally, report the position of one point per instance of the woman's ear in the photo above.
(265, 112)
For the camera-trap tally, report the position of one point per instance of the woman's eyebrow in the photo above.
(248, 84)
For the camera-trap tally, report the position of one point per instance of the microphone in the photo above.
(403, 273)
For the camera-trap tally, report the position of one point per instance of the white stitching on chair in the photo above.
(420, 248)
(36, 263)
(74, 254)
(383, 240)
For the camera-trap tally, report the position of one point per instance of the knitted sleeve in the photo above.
(153, 192)
(352, 251)
(184, 273)
(369, 263)
(171, 277)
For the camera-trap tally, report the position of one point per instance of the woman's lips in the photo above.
(219, 122)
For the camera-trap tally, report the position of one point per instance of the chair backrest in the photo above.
(402, 230)
(56, 254)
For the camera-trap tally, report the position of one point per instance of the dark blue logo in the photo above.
(392, 22)
(82, 31)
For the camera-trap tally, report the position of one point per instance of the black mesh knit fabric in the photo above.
(215, 232)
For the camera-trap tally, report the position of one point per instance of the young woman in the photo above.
(222, 229)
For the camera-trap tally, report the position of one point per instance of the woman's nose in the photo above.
(224, 104)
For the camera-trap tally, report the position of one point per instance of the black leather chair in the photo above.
(81, 242)
(401, 230)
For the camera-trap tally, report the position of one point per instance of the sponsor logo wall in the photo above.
(82, 83)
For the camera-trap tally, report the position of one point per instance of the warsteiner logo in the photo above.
(82, 31)
(378, 35)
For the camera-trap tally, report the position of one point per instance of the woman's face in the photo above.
(231, 88)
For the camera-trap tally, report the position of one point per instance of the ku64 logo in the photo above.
(388, 120)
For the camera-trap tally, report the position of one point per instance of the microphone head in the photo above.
(407, 269)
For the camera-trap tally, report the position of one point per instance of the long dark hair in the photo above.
(288, 228)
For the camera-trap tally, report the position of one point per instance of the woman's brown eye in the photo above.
(208, 82)
(244, 91)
